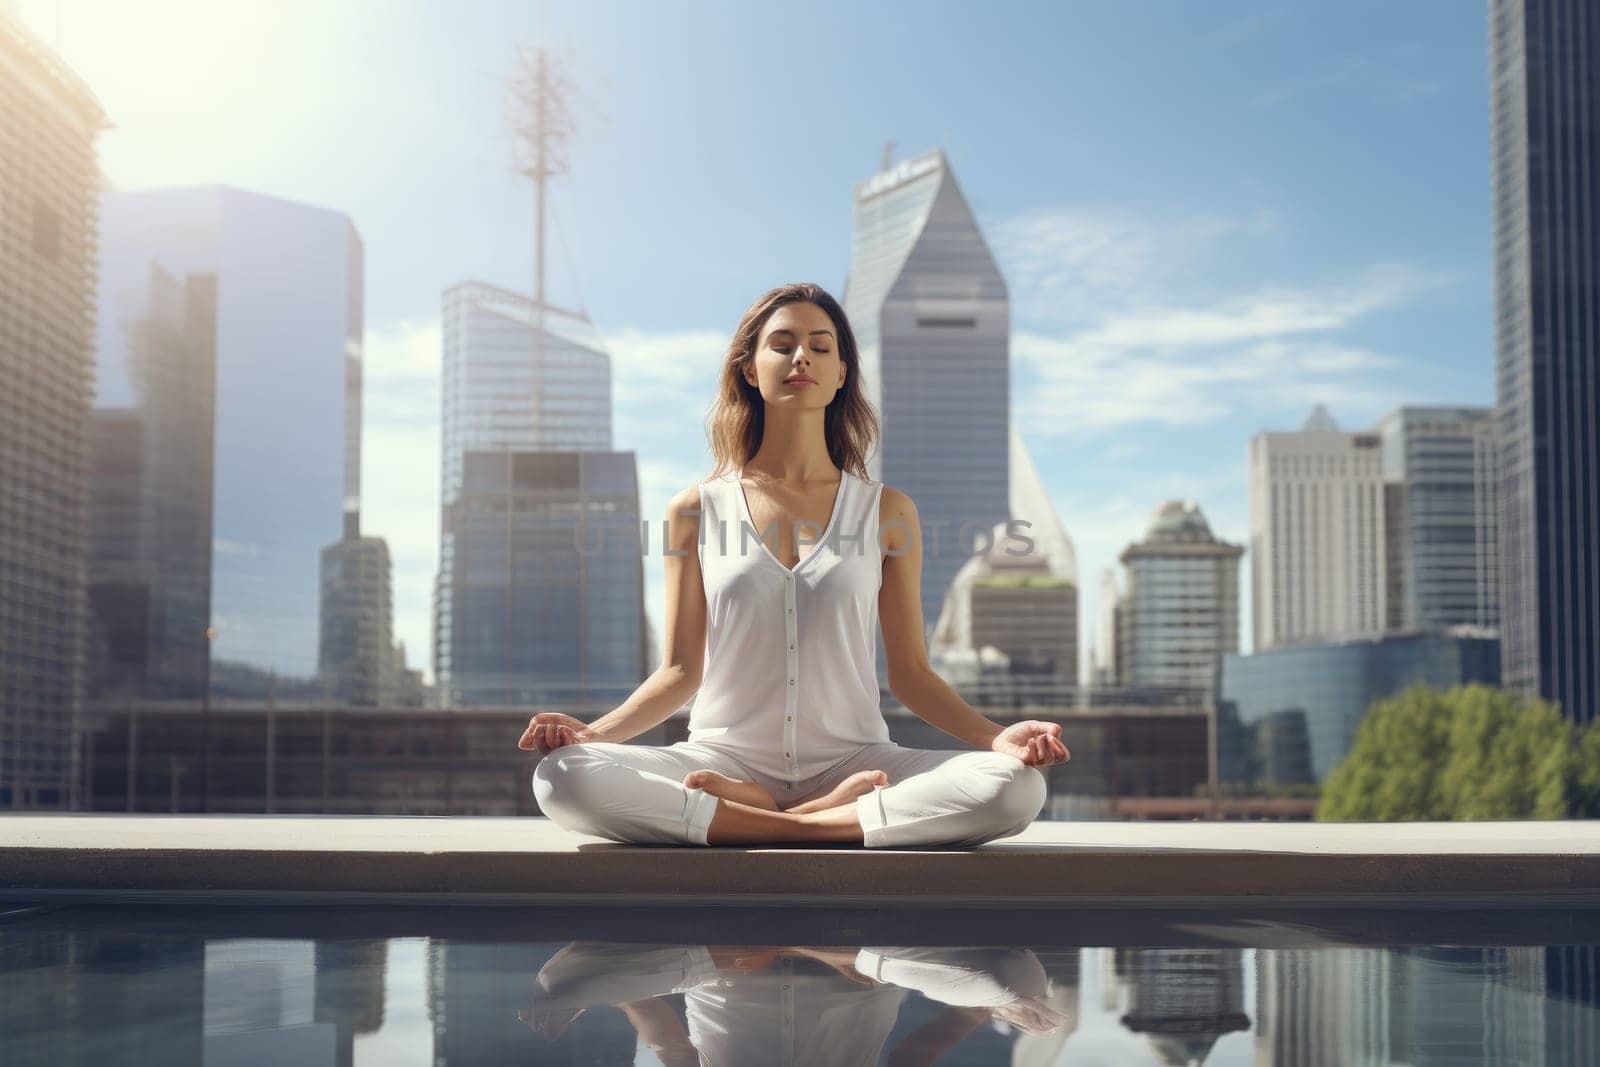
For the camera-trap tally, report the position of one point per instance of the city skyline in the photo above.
(1268, 279)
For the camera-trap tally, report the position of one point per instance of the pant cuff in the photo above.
(698, 811)
(874, 821)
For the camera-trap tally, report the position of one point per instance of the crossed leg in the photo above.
(639, 794)
(751, 793)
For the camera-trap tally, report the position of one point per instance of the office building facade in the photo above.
(931, 316)
(527, 395)
(546, 597)
(1007, 604)
(1317, 534)
(1181, 609)
(1441, 510)
(1544, 96)
(49, 120)
(286, 454)
(150, 503)
(1290, 714)
(356, 654)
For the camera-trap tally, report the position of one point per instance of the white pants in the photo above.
(738, 1016)
(635, 793)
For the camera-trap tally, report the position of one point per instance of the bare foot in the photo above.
(734, 789)
(845, 791)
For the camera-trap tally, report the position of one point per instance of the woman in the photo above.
(787, 742)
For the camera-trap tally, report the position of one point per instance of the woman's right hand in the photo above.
(550, 730)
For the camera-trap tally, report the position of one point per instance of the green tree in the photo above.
(1471, 752)
(1588, 773)
(1391, 772)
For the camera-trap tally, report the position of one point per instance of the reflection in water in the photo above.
(794, 1005)
(78, 994)
(1183, 999)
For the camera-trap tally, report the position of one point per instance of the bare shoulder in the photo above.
(897, 518)
(684, 500)
(683, 517)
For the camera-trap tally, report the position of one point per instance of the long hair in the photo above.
(737, 417)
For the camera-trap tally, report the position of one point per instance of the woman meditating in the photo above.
(777, 641)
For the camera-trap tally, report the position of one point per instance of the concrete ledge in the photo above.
(461, 860)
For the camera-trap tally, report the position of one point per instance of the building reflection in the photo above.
(1181, 999)
(73, 994)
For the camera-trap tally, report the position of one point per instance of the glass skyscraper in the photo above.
(546, 598)
(540, 598)
(518, 376)
(286, 458)
(1440, 508)
(931, 315)
(1545, 149)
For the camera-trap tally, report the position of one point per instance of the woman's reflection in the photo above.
(792, 1004)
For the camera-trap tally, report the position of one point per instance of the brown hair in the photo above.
(737, 416)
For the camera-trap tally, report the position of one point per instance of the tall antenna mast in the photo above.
(540, 126)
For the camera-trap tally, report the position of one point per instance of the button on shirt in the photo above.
(791, 683)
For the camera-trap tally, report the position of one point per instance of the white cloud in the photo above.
(1062, 264)
(661, 386)
(1179, 366)
(686, 360)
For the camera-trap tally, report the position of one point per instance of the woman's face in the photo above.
(797, 342)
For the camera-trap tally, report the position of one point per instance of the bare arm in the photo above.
(684, 645)
(911, 677)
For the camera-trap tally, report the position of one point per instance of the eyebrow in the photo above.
(791, 332)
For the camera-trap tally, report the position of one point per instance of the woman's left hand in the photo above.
(1036, 743)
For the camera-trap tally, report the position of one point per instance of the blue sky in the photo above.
(1209, 216)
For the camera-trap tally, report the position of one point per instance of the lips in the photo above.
(799, 378)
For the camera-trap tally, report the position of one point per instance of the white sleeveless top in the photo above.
(790, 682)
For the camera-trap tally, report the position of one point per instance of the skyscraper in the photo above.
(518, 375)
(356, 654)
(546, 596)
(286, 459)
(1440, 506)
(541, 580)
(931, 316)
(1181, 611)
(48, 123)
(1545, 151)
(150, 501)
(1316, 534)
